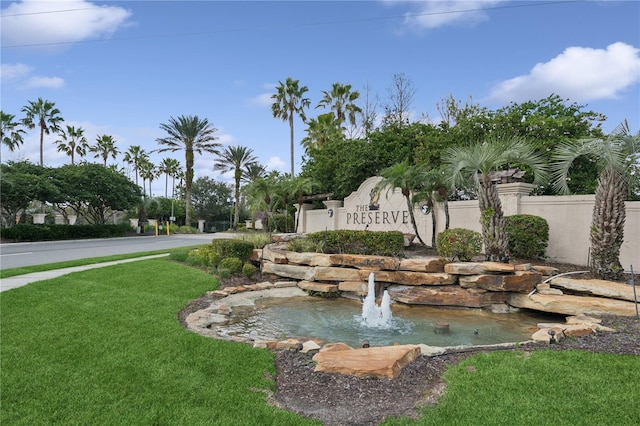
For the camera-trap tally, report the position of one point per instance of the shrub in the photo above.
(224, 274)
(258, 239)
(233, 264)
(360, 242)
(248, 270)
(459, 243)
(282, 223)
(233, 247)
(305, 245)
(528, 236)
(187, 230)
(50, 232)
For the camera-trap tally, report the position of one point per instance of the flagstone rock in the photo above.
(572, 305)
(358, 287)
(271, 254)
(446, 296)
(318, 287)
(371, 263)
(411, 278)
(310, 259)
(520, 281)
(476, 268)
(382, 362)
(613, 290)
(426, 264)
(298, 272)
(336, 274)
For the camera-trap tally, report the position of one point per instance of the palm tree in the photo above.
(10, 135)
(434, 189)
(321, 130)
(235, 159)
(46, 116)
(148, 172)
(73, 142)
(135, 155)
(341, 100)
(193, 135)
(105, 146)
(408, 178)
(289, 101)
(170, 167)
(301, 186)
(478, 162)
(614, 157)
(253, 172)
(261, 190)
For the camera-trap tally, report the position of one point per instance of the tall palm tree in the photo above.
(135, 155)
(235, 159)
(253, 172)
(435, 188)
(192, 135)
(73, 142)
(261, 191)
(614, 156)
(105, 147)
(170, 167)
(46, 116)
(478, 162)
(341, 100)
(10, 134)
(288, 102)
(148, 172)
(408, 178)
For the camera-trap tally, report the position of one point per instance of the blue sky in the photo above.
(123, 67)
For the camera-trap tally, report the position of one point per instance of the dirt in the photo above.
(337, 399)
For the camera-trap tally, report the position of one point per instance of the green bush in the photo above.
(528, 236)
(50, 232)
(360, 242)
(282, 223)
(187, 230)
(459, 243)
(224, 274)
(205, 256)
(248, 270)
(233, 247)
(258, 239)
(233, 264)
(305, 245)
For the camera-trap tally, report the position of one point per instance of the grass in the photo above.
(104, 347)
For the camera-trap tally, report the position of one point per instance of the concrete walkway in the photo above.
(21, 280)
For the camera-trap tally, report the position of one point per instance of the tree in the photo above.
(46, 116)
(288, 102)
(193, 135)
(148, 172)
(210, 199)
(10, 134)
(478, 162)
(73, 142)
(435, 188)
(135, 155)
(321, 130)
(301, 186)
(170, 167)
(104, 148)
(341, 101)
(253, 172)
(400, 100)
(235, 159)
(260, 192)
(614, 157)
(408, 178)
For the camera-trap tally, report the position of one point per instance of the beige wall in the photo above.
(569, 218)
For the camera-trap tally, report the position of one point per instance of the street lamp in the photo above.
(230, 211)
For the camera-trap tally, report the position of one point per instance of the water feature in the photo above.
(353, 322)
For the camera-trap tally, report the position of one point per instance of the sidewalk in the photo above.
(21, 280)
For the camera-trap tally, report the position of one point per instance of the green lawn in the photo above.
(104, 347)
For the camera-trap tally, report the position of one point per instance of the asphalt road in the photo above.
(15, 255)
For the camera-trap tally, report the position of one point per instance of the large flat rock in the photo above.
(572, 305)
(446, 296)
(383, 362)
(602, 288)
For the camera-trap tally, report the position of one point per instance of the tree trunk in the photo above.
(494, 234)
(607, 226)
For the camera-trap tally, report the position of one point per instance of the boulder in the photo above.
(602, 288)
(572, 305)
(311, 259)
(520, 281)
(358, 287)
(426, 264)
(270, 254)
(476, 268)
(297, 272)
(371, 263)
(411, 278)
(446, 296)
(322, 273)
(382, 362)
(318, 287)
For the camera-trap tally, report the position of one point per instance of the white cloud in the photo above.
(46, 82)
(276, 163)
(435, 14)
(9, 72)
(579, 73)
(263, 99)
(33, 22)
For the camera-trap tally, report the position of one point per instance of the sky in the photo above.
(124, 67)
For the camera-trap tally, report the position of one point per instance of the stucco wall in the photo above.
(569, 218)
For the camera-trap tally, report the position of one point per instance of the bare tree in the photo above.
(399, 101)
(369, 111)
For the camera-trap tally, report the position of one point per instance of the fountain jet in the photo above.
(372, 314)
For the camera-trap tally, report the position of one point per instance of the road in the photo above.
(15, 255)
